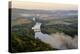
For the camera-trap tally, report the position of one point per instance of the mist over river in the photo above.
(56, 40)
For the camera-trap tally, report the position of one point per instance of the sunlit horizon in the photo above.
(43, 6)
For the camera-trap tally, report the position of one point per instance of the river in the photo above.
(54, 41)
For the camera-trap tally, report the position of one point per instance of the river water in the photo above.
(58, 40)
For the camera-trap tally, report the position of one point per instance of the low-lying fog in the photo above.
(58, 40)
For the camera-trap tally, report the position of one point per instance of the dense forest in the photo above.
(23, 40)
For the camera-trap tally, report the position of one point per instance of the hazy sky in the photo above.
(38, 5)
